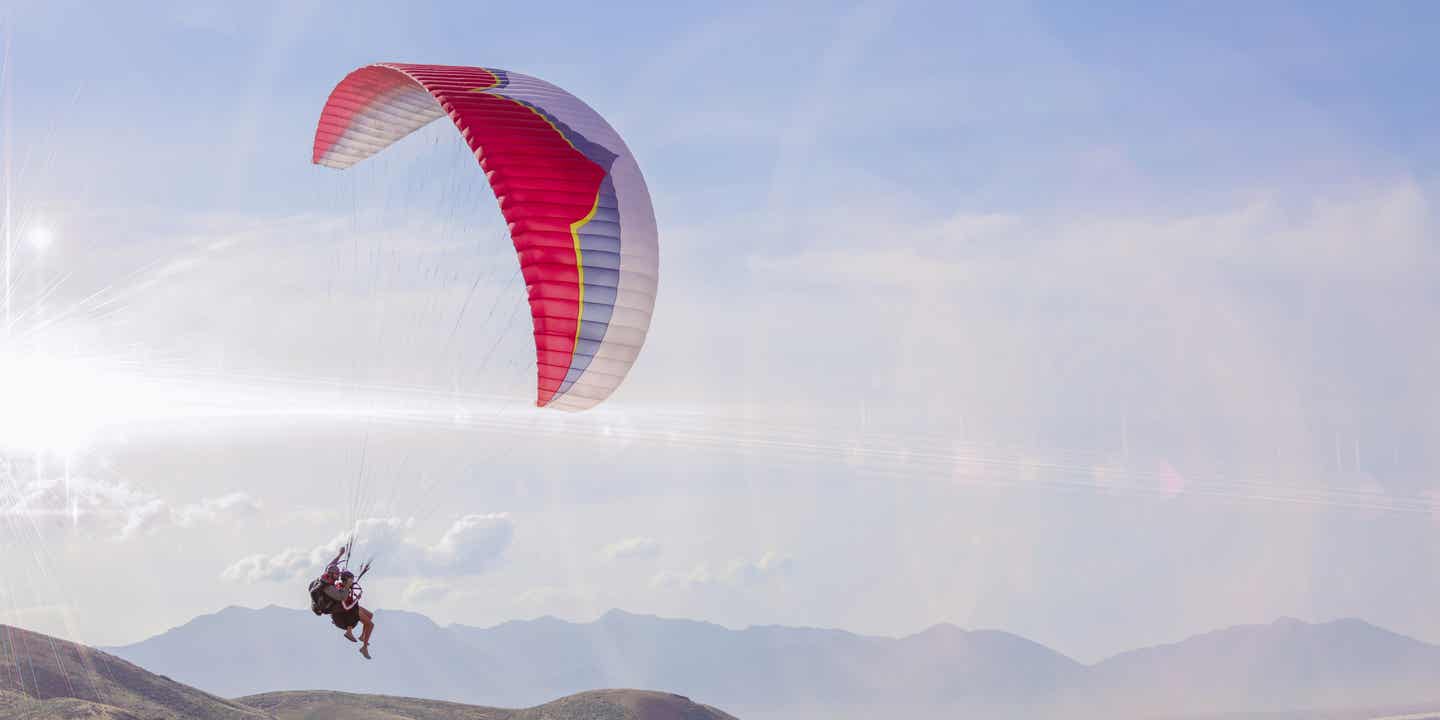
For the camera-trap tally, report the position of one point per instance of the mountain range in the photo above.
(774, 672)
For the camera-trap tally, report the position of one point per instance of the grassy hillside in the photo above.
(45, 678)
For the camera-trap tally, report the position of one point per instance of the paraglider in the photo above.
(337, 593)
(577, 210)
(577, 207)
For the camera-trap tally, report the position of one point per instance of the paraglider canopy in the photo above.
(577, 207)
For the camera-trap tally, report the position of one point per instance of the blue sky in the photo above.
(983, 107)
(1085, 315)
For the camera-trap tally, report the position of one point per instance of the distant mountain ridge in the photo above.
(803, 672)
(1286, 665)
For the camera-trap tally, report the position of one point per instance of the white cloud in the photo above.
(114, 508)
(543, 596)
(235, 505)
(1301, 235)
(635, 547)
(285, 565)
(423, 591)
(740, 572)
(143, 518)
(1203, 327)
(746, 572)
(468, 547)
(470, 544)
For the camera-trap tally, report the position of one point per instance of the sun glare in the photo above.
(40, 236)
(55, 405)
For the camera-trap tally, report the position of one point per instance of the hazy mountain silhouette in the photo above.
(1286, 665)
(800, 672)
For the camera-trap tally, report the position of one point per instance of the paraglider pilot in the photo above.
(337, 594)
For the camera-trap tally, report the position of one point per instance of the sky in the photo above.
(1101, 323)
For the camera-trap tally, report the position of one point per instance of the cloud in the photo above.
(1298, 235)
(1203, 330)
(771, 564)
(283, 566)
(544, 596)
(470, 546)
(424, 591)
(143, 519)
(631, 548)
(154, 514)
(740, 572)
(209, 511)
(115, 507)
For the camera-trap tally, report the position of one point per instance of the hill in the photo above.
(45, 678)
(594, 705)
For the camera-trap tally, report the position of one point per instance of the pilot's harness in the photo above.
(355, 590)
